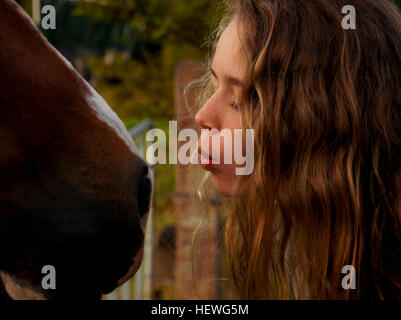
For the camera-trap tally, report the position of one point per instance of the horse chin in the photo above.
(134, 268)
(137, 260)
(17, 290)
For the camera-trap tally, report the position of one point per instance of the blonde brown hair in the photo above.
(325, 104)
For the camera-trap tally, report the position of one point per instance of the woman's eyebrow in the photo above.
(227, 78)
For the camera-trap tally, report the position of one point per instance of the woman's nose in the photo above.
(206, 118)
(200, 118)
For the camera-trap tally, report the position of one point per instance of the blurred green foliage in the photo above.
(173, 30)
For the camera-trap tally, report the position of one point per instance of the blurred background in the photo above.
(140, 55)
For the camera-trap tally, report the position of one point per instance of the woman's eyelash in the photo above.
(235, 105)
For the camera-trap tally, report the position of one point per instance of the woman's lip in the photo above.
(206, 160)
(204, 154)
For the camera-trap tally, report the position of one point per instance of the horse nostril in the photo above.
(144, 193)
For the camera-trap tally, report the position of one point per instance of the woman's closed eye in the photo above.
(235, 105)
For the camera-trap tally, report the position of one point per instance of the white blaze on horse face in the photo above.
(107, 115)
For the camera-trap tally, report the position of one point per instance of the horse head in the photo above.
(74, 193)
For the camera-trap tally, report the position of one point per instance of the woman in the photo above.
(325, 106)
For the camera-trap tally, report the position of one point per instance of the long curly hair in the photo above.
(325, 104)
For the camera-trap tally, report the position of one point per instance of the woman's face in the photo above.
(221, 110)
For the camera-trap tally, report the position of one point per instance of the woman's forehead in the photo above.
(230, 60)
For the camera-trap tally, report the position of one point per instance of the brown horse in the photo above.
(74, 193)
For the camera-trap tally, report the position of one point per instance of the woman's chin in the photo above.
(224, 186)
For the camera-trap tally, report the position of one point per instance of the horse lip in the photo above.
(144, 195)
